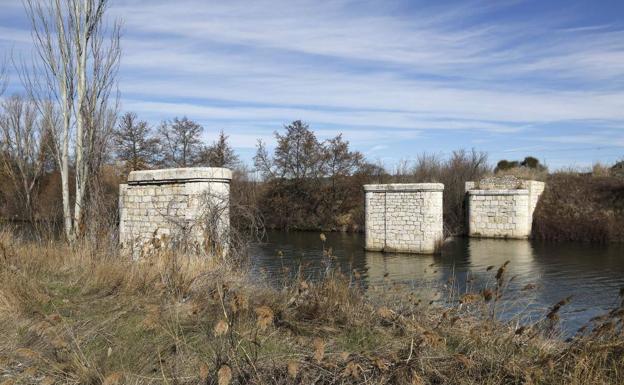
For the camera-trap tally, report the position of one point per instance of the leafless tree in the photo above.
(55, 85)
(263, 162)
(309, 182)
(3, 77)
(180, 142)
(453, 172)
(339, 164)
(340, 160)
(298, 153)
(78, 60)
(220, 154)
(134, 142)
(22, 157)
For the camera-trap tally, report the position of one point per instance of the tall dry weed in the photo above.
(174, 319)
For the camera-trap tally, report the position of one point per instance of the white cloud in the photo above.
(375, 70)
(289, 54)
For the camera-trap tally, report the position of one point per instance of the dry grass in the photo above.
(525, 173)
(79, 317)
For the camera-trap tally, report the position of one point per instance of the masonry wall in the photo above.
(404, 217)
(501, 207)
(498, 213)
(535, 191)
(186, 207)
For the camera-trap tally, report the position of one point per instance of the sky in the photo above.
(397, 78)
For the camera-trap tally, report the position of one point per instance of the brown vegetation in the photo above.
(462, 166)
(581, 207)
(310, 184)
(81, 316)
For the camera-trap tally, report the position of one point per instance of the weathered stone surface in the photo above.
(180, 207)
(404, 217)
(189, 174)
(501, 207)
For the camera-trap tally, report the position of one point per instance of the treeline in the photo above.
(311, 184)
(304, 183)
(175, 143)
(31, 188)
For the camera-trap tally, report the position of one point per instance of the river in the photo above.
(543, 274)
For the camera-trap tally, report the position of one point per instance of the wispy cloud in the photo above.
(382, 72)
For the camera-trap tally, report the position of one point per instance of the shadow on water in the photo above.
(541, 274)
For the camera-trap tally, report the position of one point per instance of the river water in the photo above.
(543, 274)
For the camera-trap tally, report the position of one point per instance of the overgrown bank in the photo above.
(87, 317)
(581, 207)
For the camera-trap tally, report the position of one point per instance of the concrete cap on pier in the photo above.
(499, 192)
(181, 175)
(404, 187)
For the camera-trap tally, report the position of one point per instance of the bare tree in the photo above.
(307, 182)
(263, 162)
(453, 172)
(339, 164)
(50, 31)
(97, 65)
(78, 60)
(134, 142)
(22, 157)
(340, 160)
(298, 153)
(180, 142)
(220, 154)
(3, 77)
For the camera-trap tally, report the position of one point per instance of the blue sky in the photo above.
(397, 78)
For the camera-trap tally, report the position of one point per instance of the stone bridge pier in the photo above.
(405, 218)
(182, 207)
(501, 207)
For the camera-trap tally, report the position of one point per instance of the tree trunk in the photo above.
(64, 160)
(81, 119)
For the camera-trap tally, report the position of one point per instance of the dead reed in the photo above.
(76, 316)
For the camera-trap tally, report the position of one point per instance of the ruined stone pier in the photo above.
(186, 207)
(405, 218)
(502, 207)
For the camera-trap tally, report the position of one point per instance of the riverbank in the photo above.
(575, 207)
(581, 207)
(87, 317)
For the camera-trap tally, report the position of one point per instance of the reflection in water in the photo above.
(592, 274)
(382, 267)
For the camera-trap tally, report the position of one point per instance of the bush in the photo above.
(530, 163)
(618, 169)
(505, 165)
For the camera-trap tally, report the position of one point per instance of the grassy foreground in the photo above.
(83, 317)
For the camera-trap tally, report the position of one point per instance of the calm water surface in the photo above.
(591, 274)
